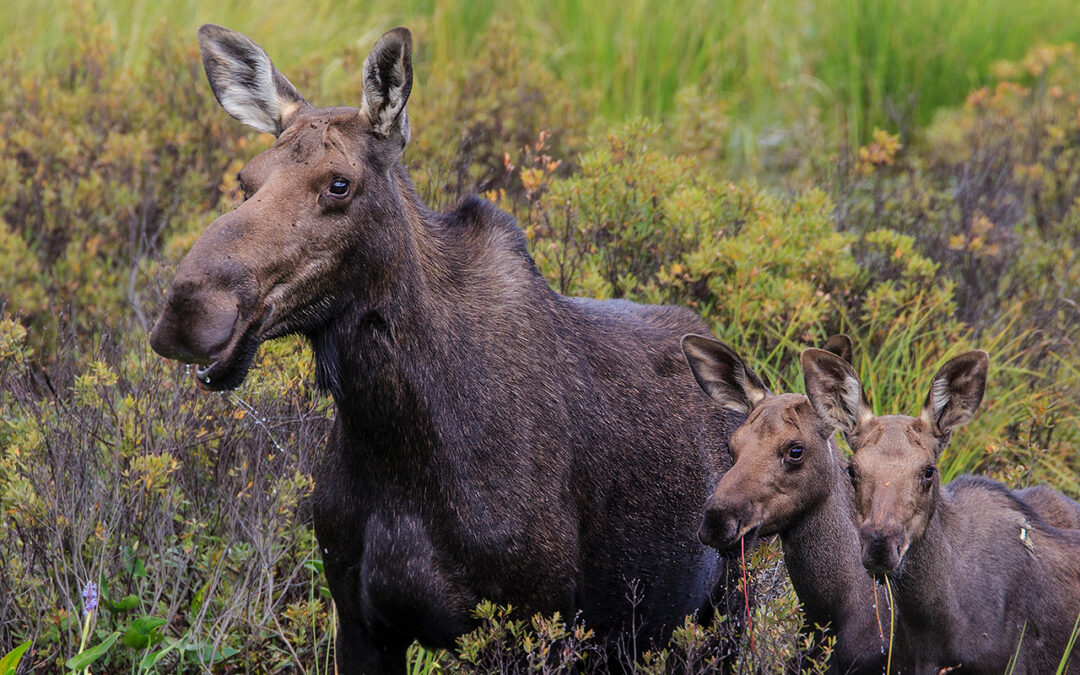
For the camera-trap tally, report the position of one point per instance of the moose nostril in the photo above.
(719, 528)
(196, 330)
(712, 526)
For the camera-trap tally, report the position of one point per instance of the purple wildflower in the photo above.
(90, 597)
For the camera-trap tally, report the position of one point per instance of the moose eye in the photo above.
(339, 187)
(795, 454)
(851, 472)
(928, 474)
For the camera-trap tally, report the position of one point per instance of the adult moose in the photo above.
(493, 439)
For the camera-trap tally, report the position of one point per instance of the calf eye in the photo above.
(928, 474)
(851, 472)
(339, 187)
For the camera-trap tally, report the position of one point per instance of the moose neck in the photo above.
(821, 552)
(927, 570)
(394, 362)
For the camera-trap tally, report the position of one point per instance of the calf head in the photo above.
(322, 225)
(894, 469)
(782, 453)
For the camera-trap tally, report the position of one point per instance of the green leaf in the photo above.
(152, 659)
(10, 663)
(83, 659)
(145, 624)
(125, 604)
(142, 632)
(209, 655)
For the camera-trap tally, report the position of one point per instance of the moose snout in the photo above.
(722, 523)
(195, 330)
(883, 546)
(203, 308)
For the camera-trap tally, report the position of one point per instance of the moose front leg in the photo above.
(361, 653)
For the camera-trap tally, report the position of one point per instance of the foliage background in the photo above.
(905, 172)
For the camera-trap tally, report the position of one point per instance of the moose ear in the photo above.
(387, 84)
(834, 390)
(956, 392)
(245, 82)
(722, 374)
(841, 345)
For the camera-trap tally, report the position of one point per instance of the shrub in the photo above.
(992, 190)
(187, 508)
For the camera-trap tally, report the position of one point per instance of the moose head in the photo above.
(325, 220)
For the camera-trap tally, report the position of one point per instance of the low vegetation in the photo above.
(147, 526)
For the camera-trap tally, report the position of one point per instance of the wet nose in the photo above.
(720, 525)
(882, 547)
(202, 310)
(195, 330)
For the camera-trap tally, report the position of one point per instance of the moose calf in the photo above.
(788, 479)
(981, 579)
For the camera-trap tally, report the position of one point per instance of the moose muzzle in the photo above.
(207, 318)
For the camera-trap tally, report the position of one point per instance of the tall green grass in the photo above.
(863, 64)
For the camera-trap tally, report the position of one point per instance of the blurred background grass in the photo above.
(865, 64)
(905, 172)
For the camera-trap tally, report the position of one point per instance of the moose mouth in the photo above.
(728, 541)
(229, 368)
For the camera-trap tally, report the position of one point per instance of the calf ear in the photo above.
(245, 82)
(722, 374)
(833, 388)
(956, 392)
(387, 84)
(842, 345)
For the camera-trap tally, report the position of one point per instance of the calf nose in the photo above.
(720, 526)
(882, 547)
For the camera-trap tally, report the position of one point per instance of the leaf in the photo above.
(83, 659)
(135, 639)
(10, 663)
(151, 659)
(142, 632)
(125, 604)
(211, 656)
(145, 624)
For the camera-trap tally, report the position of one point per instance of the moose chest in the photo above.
(412, 553)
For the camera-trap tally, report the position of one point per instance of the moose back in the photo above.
(493, 439)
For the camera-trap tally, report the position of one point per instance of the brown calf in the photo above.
(979, 576)
(789, 479)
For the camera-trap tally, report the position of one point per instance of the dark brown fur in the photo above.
(979, 575)
(809, 502)
(493, 439)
